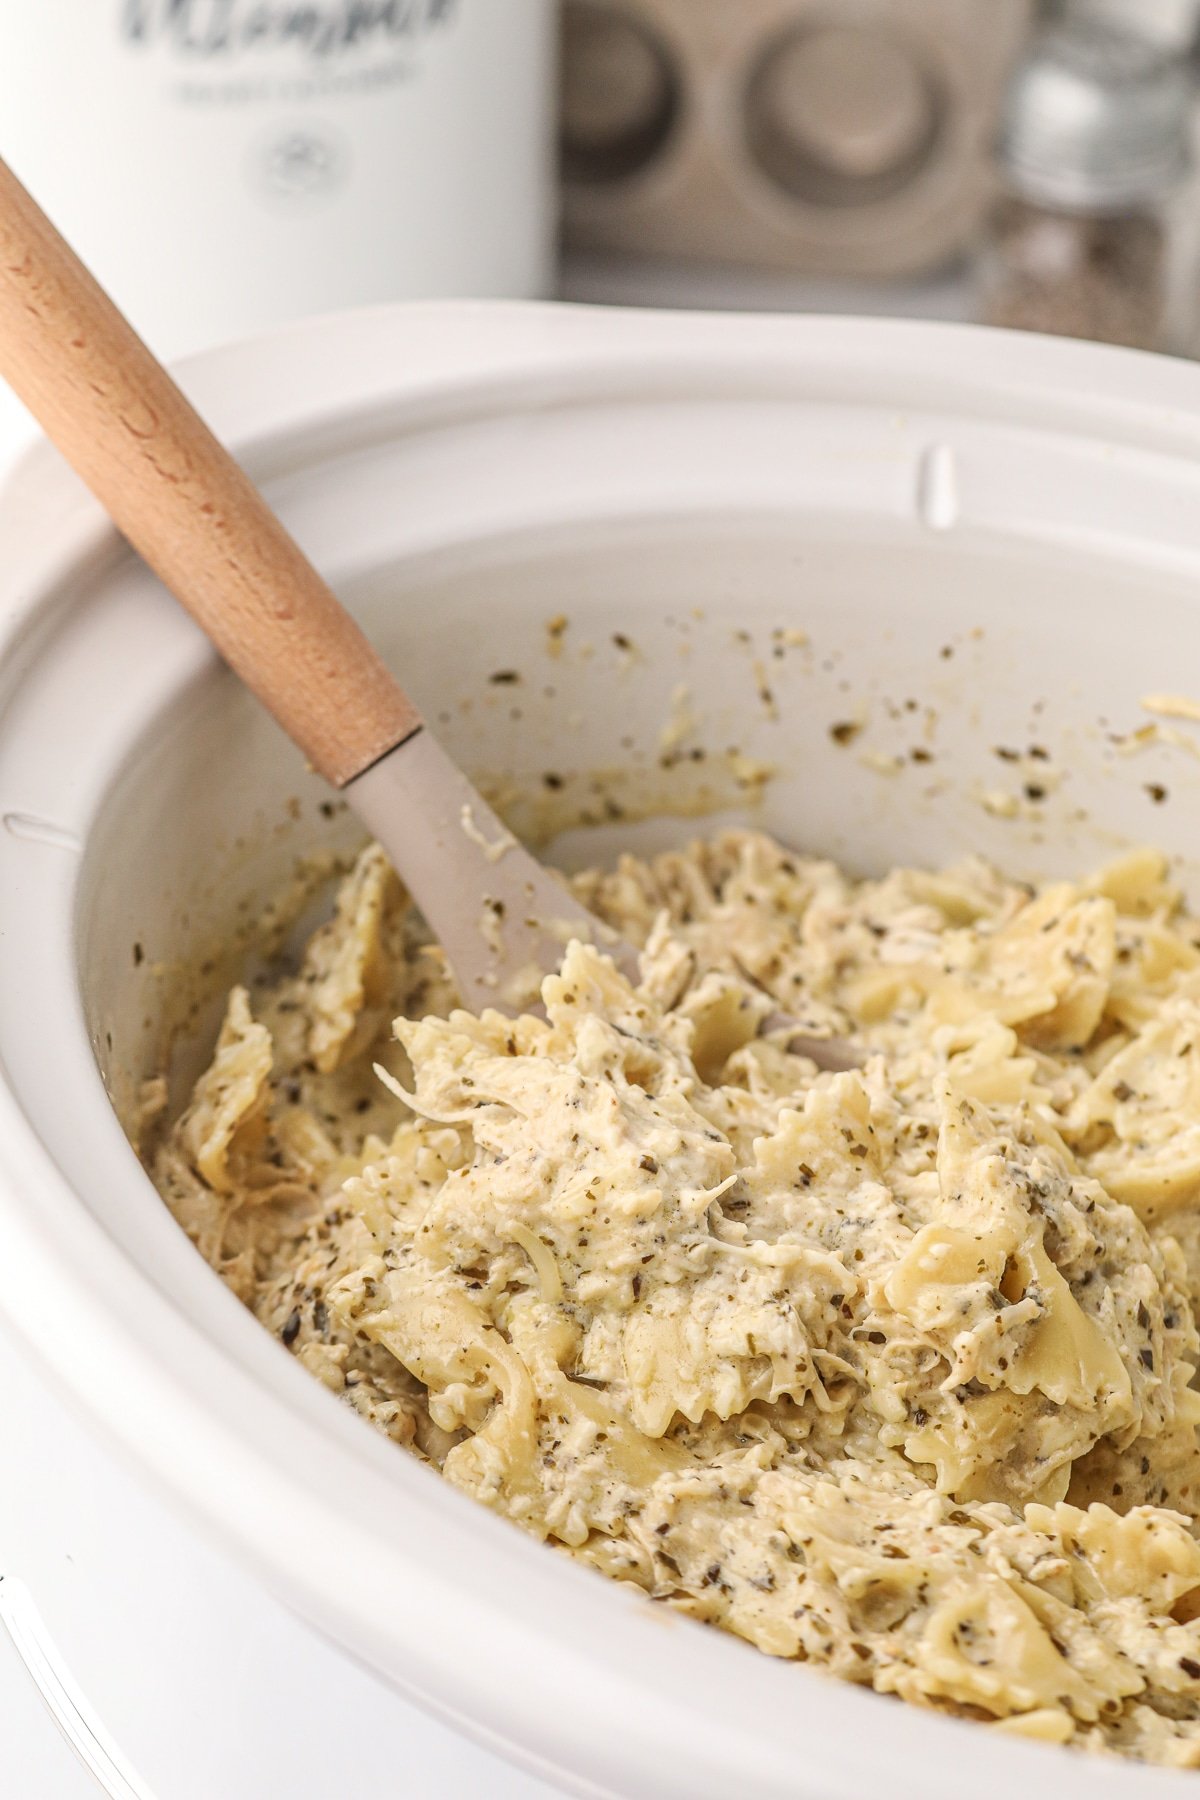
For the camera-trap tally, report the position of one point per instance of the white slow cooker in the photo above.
(958, 542)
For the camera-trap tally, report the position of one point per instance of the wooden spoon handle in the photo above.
(183, 502)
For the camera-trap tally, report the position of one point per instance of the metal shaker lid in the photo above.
(1095, 118)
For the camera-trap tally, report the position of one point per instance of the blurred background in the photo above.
(1028, 165)
(225, 164)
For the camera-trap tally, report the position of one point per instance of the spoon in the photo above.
(196, 518)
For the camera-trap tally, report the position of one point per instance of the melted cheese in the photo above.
(886, 1371)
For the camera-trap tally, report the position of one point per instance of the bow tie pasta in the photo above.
(887, 1371)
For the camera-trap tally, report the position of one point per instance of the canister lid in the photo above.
(1096, 117)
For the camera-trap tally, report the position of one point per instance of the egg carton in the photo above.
(832, 137)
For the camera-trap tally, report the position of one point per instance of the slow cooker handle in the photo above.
(185, 504)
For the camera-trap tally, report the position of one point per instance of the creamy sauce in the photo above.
(888, 1372)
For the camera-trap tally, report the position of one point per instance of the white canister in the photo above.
(226, 164)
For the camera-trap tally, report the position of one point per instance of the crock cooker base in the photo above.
(891, 491)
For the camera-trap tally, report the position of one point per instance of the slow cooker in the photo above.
(964, 541)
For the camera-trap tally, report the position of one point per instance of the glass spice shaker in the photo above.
(1090, 233)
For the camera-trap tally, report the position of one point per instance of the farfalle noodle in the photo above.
(889, 1371)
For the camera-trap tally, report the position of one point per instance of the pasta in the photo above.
(887, 1371)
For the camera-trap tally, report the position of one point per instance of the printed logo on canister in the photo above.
(319, 29)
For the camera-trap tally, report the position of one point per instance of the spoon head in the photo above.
(503, 920)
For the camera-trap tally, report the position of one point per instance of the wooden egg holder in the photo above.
(689, 128)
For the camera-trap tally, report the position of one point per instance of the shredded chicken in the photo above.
(889, 1371)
